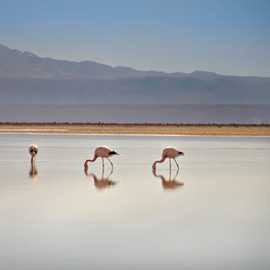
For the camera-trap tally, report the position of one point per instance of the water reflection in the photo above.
(102, 182)
(169, 183)
(69, 224)
(33, 173)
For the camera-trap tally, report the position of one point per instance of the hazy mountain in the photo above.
(27, 78)
(28, 81)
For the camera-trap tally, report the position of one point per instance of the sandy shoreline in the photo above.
(158, 129)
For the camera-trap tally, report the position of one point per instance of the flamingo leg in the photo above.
(170, 174)
(176, 164)
(103, 164)
(170, 164)
(176, 174)
(111, 164)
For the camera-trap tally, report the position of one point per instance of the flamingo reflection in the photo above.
(169, 183)
(102, 182)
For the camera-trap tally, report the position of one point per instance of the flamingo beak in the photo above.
(113, 153)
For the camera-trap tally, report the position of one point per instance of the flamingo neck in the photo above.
(89, 160)
(159, 161)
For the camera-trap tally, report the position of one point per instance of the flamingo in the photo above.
(102, 152)
(33, 150)
(170, 153)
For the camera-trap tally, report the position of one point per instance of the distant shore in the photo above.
(150, 129)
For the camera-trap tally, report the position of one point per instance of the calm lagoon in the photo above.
(215, 215)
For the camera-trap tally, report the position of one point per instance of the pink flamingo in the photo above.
(101, 152)
(170, 153)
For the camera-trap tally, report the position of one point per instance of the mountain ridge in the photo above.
(116, 71)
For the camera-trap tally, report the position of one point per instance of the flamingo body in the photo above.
(104, 152)
(170, 152)
(33, 150)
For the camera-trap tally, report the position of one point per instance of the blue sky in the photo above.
(230, 37)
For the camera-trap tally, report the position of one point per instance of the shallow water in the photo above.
(217, 217)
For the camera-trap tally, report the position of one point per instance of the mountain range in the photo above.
(27, 79)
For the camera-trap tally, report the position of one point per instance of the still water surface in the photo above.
(216, 215)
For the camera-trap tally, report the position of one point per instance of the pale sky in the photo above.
(224, 36)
